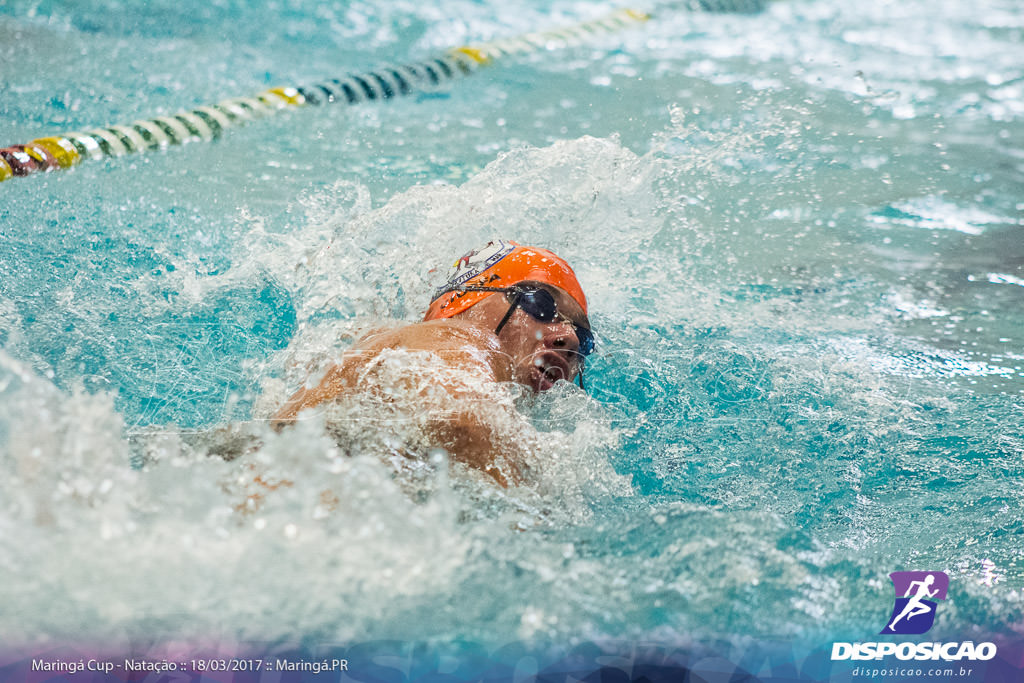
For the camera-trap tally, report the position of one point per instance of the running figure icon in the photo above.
(914, 606)
(916, 593)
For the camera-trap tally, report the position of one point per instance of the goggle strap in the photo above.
(508, 314)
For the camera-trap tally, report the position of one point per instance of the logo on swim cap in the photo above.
(502, 263)
(913, 611)
(472, 264)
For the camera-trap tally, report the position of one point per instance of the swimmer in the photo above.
(507, 313)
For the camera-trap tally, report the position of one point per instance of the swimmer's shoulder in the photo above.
(431, 335)
(459, 342)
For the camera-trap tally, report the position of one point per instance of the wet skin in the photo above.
(539, 353)
(532, 353)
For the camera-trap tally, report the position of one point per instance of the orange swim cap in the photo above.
(501, 264)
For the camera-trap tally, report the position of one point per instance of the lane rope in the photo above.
(209, 122)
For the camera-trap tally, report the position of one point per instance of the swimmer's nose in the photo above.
(561, 336)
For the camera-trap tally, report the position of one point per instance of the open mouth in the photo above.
(549, 371)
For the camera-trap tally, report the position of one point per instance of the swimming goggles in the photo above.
(540, 305)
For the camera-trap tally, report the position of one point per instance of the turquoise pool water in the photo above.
(801, 231)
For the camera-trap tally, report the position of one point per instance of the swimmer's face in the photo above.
(540, 353)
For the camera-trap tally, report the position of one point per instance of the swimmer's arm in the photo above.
(468, 434)
(464, 419)
(470, 439)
